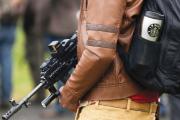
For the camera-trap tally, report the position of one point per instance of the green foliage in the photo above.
(22, 83)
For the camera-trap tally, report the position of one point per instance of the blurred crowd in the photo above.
(45, 21)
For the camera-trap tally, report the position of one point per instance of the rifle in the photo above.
(63, 59)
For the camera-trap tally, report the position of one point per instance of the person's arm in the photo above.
(104, 19)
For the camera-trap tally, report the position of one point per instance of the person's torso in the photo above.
(36, 16)
(115, 83)
(169, 63)
(62, 18)
(170, 40)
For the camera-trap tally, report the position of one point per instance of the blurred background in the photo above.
(26, 28)
(23, 84)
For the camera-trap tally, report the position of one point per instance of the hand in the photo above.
(67, 104)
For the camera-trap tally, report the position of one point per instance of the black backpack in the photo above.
(156, 65)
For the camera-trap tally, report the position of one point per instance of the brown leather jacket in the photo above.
(99, 74)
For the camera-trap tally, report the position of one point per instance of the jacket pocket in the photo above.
(142, 62)
(143, 55)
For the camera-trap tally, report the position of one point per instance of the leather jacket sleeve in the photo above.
(104, 19)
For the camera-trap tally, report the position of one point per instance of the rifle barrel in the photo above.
(24, 102)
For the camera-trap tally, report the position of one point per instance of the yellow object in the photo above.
(106, 110)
